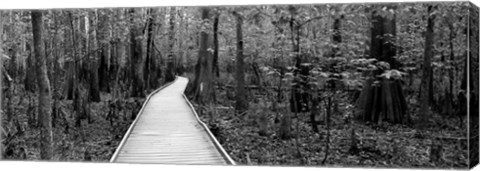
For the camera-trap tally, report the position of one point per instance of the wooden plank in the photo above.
(168, 131)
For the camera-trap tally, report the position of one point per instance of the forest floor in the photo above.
(380, 145)
(94, 141)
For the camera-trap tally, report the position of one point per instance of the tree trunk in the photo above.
(383, 33)
(104, 44)
(337, 36)
(170, 73)
(136, 54)
(427, 68)
(72, 77)
(337, 39)
(314, 111)
(94, 91)
(44, 97)
(381, 98)
(117, 53)
(150, 76)
(300, 95)
(241, 104)
(202, 88)
(215, 43)
(30, 78)
(473, 117)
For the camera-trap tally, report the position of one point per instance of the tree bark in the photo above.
(383, 33)
(44, 97)
(151, 77)
(94, 91)
(215, 43)
(104, 43)
(337, 36)
(381, 98)
(300, 96)
(170, 73)
(202, 88)
(427, 68)
(473, 118)
(136, 54)
(241, 104)
(30, 80)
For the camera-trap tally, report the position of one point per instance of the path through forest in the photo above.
(167, 131)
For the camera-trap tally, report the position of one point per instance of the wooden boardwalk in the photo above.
(167, 130)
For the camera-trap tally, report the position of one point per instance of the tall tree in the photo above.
(215, 42)
(241, 100)
(427, 64)
(103, 39)
(473, 30)
(202, 88)
(382, 98)
(150, 62)
(91, 25)
(299, 99)
(170, 73)
(136, 53)
(44, 97)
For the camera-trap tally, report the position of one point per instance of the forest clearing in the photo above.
(390, 85)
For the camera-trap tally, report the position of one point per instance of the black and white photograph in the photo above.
(323, 85)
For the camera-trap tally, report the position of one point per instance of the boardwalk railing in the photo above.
(127, 134)
(159, 136)
(219, 147)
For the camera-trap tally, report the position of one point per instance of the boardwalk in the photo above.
(167, 131)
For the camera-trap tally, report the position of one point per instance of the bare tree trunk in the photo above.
(427, 68)
(73, 68)
(202, 88)
(92, 52)
(473, 117)
(384, 101)
(151, 77)
(30, 79)
(136, 54)
(45, 97)
(170, 74)
(241, 104)
(104, 43)
(300, 94)
(215, 43)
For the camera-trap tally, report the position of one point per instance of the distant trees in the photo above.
(45, 96)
